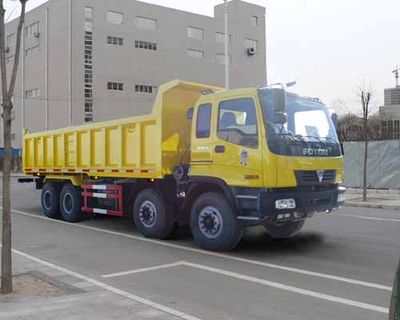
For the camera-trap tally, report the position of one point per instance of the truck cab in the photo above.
(275, 154)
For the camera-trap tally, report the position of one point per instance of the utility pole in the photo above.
(227, 76)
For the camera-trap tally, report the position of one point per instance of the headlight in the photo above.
(283, 204)
(341, 197)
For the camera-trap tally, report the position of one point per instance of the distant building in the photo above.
(390, 114)
(96, 60)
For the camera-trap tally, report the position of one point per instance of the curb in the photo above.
(371, 205)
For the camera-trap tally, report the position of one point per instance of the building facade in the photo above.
(94, 60)
(390, 114)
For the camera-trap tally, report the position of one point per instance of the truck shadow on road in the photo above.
(257, 241)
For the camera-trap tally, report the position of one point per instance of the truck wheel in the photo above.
(284, 230)
(50, 200)
(71, 203)
(213, 223)
(152, 216)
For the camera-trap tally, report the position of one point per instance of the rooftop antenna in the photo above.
(397, 75)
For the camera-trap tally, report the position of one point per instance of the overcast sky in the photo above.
(328, 46)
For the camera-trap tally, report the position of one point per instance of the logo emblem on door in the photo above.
(320, 174)
(244, 158)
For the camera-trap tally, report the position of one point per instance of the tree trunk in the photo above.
(6, 262)
(365, 170)
(394, 313)
(6, 253)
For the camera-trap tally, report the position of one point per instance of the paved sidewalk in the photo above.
(79, 299)
(376, 198)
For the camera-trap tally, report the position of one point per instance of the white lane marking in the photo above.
(292, 289)
(135, 271)
(107, 287)
(369, 218)
(218, 255)
(276, 285)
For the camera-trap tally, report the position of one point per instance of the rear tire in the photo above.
(152, 216)
(284, 230)
(71, 203)
(213, 223)
(50, 200)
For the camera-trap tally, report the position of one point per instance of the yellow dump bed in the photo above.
(138, 147)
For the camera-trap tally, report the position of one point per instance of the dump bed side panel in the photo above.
(129, 148)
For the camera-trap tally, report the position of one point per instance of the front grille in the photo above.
(315, 177)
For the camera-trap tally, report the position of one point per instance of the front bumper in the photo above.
(255, 206)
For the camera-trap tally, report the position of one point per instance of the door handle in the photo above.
(219, 149)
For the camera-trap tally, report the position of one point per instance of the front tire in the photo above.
(71, 203)
(284, 230)
(213, 223)
(152, 216)
(50, 200)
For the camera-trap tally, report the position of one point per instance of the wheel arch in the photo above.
(200, 185)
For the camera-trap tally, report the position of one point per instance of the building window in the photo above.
(32, 30)
(31, 51)
(13, 136)
(88, 13)
(140, 88)
(220, 57)
(116, 86)
(88, 66)
(115, 41)
(196, 54)
(33, 93)
(145, 23)
(115, 17)
(220, 37)
(11, 40)
(195, 33)
(250, 43)
(146, 45)
(254, 21)
(203, 126)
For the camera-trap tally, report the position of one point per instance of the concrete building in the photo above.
(390, 114)
(95, 60)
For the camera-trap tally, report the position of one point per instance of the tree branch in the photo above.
(17, 49)
(3, 53)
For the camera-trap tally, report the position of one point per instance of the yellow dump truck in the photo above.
(217, 160)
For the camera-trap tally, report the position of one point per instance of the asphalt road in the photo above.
(340, 266)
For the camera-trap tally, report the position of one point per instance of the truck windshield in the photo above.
(307, 130)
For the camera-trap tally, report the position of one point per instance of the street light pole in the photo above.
(226, 46)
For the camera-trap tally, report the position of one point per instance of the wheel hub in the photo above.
(148, 214)
(47, 200)
(68, 203)
(210, 222)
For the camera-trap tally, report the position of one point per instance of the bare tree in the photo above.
(365, 95)
(7, 90)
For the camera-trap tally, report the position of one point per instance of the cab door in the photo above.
(237, 144)
(202, 143)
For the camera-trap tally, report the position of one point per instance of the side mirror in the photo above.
(279, 118)
(279, 100)
(189, 113)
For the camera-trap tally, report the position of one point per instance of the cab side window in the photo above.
(237, 122)
(203, 126)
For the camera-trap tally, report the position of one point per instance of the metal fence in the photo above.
(383, 170)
